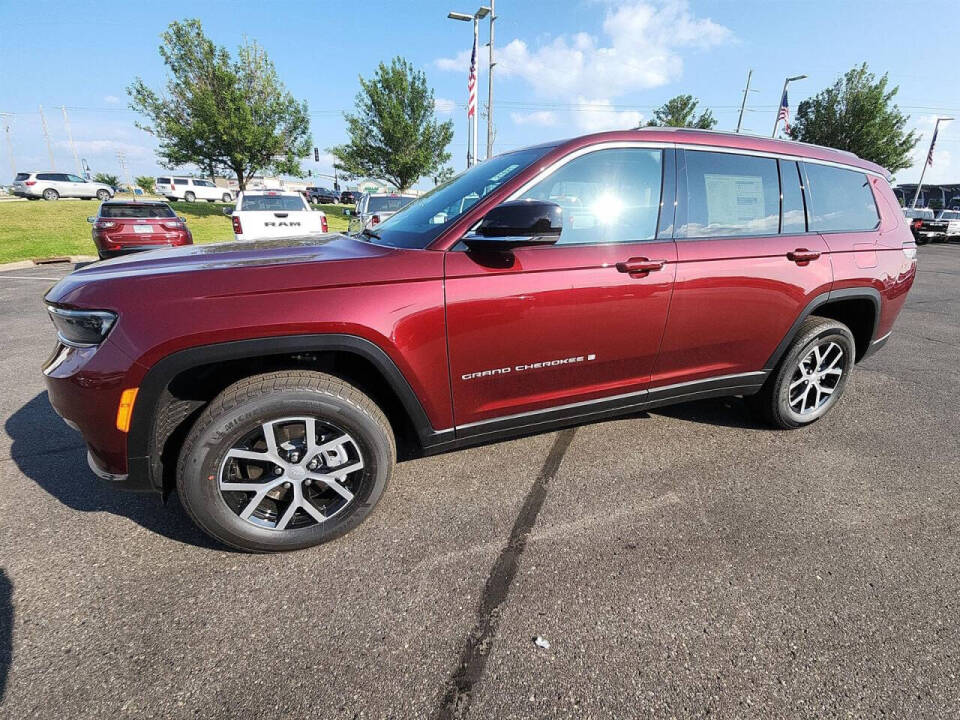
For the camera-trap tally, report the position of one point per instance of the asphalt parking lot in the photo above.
(686, 562)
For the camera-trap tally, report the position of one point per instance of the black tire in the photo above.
(103, 195)
(189, 197)
(920, 241)
(51, 194)
(226, 197)
(241, 410)
(773, 402)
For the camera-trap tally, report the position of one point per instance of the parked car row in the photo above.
(933, 226)
(331, 197)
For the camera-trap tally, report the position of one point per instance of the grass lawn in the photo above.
(37, 229)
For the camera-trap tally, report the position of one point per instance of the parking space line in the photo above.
(476, 649)
(28, 277)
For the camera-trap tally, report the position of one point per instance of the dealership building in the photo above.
(939, 196)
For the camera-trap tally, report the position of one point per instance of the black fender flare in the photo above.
(159, 376)
(859, 293)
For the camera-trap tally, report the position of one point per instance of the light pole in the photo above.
(928, 159)
(785, 83)
(472, 118)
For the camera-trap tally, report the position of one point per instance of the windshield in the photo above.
(271, 203)
(949, 215)
(388, 204)
(420, 222)
(923, 214)
(136, 211)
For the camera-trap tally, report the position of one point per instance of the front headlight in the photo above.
(81, 328)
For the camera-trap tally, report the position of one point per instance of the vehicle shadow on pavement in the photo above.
(54, 456)
(6, 630)
(729, 412)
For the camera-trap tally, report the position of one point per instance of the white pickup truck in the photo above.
(263, 214)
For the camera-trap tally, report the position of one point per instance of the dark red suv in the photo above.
(553, 285)
(122, 227)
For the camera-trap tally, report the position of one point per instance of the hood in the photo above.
(255, 259)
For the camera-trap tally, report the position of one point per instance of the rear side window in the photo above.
(793, 219)
(271, 203)
(136, 211)
(607, 196)
(181, 181)
(729, 194)
(22, 176)
(47, 176)
(839, 200)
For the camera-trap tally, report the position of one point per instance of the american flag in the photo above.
(932, 143)
(472, 82)
(784, 112)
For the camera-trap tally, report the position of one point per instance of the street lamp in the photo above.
(472, 143)
(929, 158)
(785, 83)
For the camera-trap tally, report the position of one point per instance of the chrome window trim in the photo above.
(777, 155)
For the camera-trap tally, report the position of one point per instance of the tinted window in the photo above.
(793, 219)
(922, 214)
(203, 183)
(606, 196)
(136, 211)
(163, 181)
(388, 204)
(74, 178)
(181, 181)
(22, 176)
(730, 194)
(839, 199)
(949, 215)
(420, 222)
(47, 176)
(271, 203)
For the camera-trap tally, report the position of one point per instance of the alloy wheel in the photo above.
(816, 378)
(291, 473)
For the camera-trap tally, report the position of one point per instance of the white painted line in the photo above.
(26, 277)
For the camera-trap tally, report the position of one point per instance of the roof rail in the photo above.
(730, 133)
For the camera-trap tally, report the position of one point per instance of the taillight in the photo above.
(30, 182)
(237, 227)
(375, 220)
(916, 224)
(173, 225)
(323, 223)
(104, 224)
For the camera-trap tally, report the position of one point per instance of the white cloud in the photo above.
(640, 50)
(444, 106)
(598, 115)
(106, 147)
(542, 118)
(459, 62)
(111, 99)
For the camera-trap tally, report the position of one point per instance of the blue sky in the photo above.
(565, 68)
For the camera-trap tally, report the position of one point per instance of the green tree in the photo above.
(107, 179)
(681, 111)
(857, 114)
(145, 182)
(394, 134)
(220, 113)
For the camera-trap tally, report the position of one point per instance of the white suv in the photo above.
(55, 185)
(191, 189)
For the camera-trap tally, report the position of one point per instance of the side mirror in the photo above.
(183, 219)
(516, 224)
(228, 210)
(91, 219)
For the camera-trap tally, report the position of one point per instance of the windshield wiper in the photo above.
(367, 232)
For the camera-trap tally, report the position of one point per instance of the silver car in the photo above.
(56, 185)
(374, 208)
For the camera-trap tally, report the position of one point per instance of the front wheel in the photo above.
(284, 461)
(811, 376)
(103, 195)
(226, 197)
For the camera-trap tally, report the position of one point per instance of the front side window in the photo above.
(730, 194)
(607, 196)
(271, 203)
(74, 178)
(839, 200)
(203, 183)
(422, 221)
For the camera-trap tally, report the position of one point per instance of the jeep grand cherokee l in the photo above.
(267, 381)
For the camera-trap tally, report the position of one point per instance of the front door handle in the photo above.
(640, 266)
(802, 256)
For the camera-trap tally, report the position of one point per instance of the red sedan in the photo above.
(126, 226)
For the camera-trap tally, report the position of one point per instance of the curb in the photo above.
(24, 264)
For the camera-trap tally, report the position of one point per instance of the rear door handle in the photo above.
(802, 256)
(640, 266)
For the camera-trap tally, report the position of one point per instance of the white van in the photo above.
(191, 189)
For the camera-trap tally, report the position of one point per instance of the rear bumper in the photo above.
(128, 249)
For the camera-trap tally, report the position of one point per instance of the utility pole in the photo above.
(6, 130)
(122, 158)
(76, 157)
(929, 160)
(46, 134)
(493, 16)
(743, 105)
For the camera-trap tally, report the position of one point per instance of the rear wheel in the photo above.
(189, 197)
(284, 461)
(811, 376)
(51, 194)
(103, 195)
(226, 197)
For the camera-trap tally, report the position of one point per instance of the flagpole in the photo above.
(476, 114)
(785, 83)
(928, 160)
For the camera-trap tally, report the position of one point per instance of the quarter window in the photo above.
(729, 194)
(607, 196)
(839, 200)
